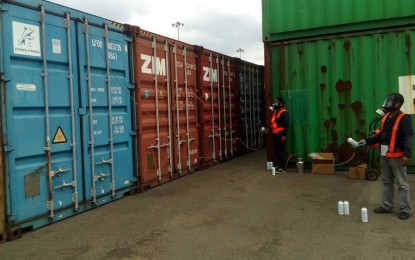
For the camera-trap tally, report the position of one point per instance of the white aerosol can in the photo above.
(352, 142)
(300, 165)
(364, 215)
(340, 207)
(346, 207)
(273, 170)
(269, 165)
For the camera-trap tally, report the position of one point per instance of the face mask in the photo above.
(389, 104)
(276, 104)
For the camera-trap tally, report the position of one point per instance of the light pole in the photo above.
(178, 24)
(240, 52)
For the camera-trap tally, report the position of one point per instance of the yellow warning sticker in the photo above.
(161, 94)
(59, 137)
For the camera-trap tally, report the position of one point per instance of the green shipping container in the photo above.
(334, 84)
(289, 19)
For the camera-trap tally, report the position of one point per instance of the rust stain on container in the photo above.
(347, 45)
(323, 69)
(281, 65)
(334, 135)
(341, 106)
(408, 45)
(322, 86)
(357, 107)
(333, 120)
(327, 124)
(343, 85)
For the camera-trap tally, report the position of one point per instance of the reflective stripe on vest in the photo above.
(391, 152)
(274, 126)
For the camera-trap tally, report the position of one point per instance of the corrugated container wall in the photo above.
(334, 83)
(67, 124)
(251, 84)
(303, 18)
(166, 100)
(218, 107)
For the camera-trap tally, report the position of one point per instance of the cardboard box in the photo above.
(358, 172)
(322, 163)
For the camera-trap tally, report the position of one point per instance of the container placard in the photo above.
(26, 39)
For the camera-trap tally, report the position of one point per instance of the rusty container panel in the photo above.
(167, 117)
(184, 99)
(218, 107)
(334, 85)
(283, 19)
(154, 122)
(231, 118)
(251, 84)
(209, 108)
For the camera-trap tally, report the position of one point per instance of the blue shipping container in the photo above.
(67, 113)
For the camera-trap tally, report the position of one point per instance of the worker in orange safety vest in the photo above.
(279, 128)
(395, 139)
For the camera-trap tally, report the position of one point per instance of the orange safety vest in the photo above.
(391, 153)
(274, 126)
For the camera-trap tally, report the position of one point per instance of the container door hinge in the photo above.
(133, 133)
(8, 148)
(5, 78)
(130, 86)
(4, 8)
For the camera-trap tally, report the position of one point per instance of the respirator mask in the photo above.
(279, 102)
(389, 105)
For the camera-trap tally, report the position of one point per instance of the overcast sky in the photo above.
(223, 26)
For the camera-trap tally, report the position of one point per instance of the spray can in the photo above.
(364, 215)
(273, 170)
(352, 142)
(300, 165)
(346, 207)
(340, 207)
(268, 165)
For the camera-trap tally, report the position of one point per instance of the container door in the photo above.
(209, 109)
(251, 105)
(186, 139)
(154, 112)
(105, 110)
(40, 123)
(66, 119)
(231, 111)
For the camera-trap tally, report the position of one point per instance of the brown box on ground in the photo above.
(358, 172)
(322, 163)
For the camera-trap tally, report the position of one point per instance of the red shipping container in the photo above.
(218, 107)
(167, 142)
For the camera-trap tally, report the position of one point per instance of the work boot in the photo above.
(404, 215)
(382, 210)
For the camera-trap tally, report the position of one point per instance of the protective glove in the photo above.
(362, 142)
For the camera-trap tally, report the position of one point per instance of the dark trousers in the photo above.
(280, 152)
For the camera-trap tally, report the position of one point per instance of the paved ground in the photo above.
(235, 210)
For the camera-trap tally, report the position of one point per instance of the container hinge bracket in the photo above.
(133, 133)
(130, 86)
(59, 171)
(101, 176)
(4, 8)
(8, 148)
(5, 78)
(64, 185)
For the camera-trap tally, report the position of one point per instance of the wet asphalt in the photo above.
(234, 210)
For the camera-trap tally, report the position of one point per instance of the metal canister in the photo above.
(300, 165)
